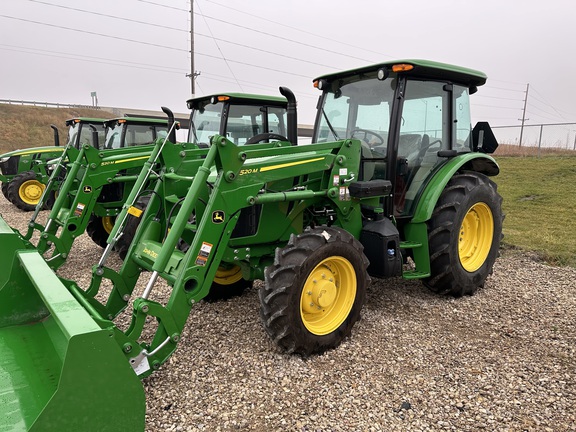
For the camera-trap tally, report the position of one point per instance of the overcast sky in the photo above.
(136, 53)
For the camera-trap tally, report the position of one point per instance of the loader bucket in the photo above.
(59, 369)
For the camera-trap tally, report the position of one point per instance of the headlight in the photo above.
(4, 159)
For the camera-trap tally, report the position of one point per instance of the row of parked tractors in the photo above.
(396, 183)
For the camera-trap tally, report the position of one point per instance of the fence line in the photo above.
(46, 104)
(543, 136)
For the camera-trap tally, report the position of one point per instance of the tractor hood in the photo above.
(31, 151)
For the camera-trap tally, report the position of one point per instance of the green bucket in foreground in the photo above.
(59, 370)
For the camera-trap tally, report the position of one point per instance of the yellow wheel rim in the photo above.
(328, 295)
(475, 238)
(228, 276)
(30, 191)
(108, 223)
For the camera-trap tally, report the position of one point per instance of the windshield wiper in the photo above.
(193, 128)
(330, 125)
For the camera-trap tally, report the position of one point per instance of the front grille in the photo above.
(10, 167)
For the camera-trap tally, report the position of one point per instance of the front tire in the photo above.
(464, 235)
(228, 283)
(5, 189)
(314, 291)
(99, 228)
(132, 223)
(25, 191)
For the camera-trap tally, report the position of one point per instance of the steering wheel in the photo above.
(425, 149)
(266, 136)
(366, 133)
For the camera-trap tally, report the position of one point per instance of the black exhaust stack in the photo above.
(170, 114)
(56, 135)
(292, 115)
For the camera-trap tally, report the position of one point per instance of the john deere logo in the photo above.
(87, 189)
(218, 216)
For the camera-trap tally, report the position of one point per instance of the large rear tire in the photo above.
(99, 228)
(314, 291)
(25, 191)
(464, 235)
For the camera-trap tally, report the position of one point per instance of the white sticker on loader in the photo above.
(79, 209)
(140, 364)
(326, 235)
(205, 249)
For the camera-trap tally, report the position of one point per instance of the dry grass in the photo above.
(29, 126)
(514, 150)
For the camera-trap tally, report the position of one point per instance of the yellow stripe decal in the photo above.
(29, 152)
(289, 164)
(131, 159)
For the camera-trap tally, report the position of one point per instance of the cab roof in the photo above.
(138, 120)
(421, 69)
(84, 120)
(245, 98)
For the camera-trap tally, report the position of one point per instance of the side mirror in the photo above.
(483, 139)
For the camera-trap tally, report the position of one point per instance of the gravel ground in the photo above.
(502, 360)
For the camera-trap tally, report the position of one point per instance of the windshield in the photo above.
(72, 134)
(85, 132)
(357, 109)
(204, 123)
(243, 122)
(134, 134)
(247, 121)
(114, 136)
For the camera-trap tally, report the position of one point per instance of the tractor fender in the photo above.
(478, 162)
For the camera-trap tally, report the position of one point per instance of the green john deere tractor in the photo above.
(396, 184)
(91, 183)
(98, 181)
(24, 173)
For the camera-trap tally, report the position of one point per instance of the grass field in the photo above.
(29, 126)
(540, 206)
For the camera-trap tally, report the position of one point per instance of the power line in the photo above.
(165, 27)
(179, 30)
(108, 16)
(94, 33)
(264, 51)
(81, 57)
(163, 5)
(221, 53)
(150, 44)
(504, 89)
(497, 97)
(285, 39)
(253, 65)
(547, 104)
(496, 106)
(298, 29)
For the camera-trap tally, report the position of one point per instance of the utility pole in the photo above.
(192, 75)
(524, 114)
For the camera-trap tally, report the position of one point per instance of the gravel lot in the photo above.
(502, 360)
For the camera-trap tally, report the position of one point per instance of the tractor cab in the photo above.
(84, 130)
(241, 118)
(134, 131)
(411, 117)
